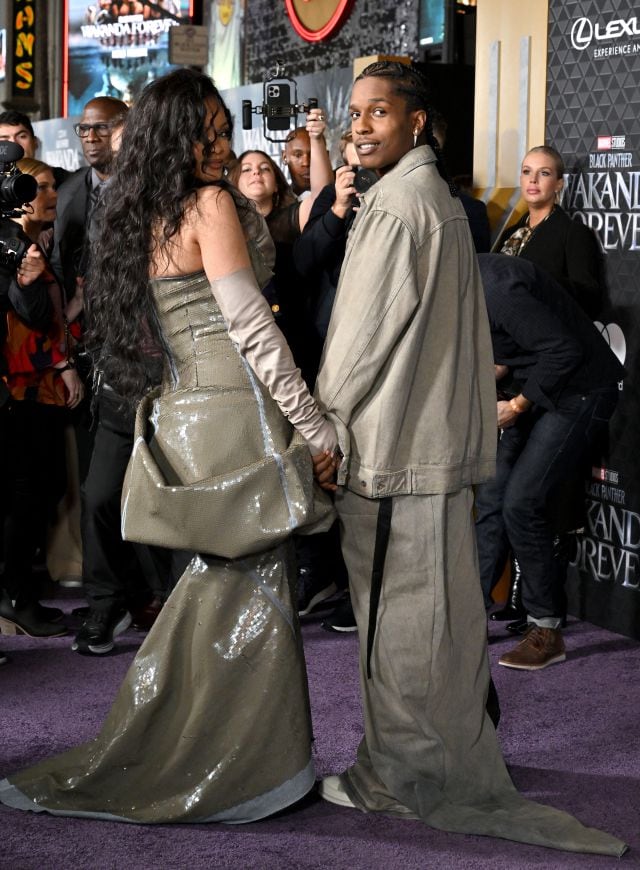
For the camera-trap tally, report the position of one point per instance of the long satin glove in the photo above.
(253, 329)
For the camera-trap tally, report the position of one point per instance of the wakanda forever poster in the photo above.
(115, 49)
(593, 119)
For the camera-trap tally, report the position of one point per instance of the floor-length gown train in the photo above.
(212, 720)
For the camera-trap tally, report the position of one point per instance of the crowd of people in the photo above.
(250, 334)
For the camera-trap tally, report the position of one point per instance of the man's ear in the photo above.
(419, 119)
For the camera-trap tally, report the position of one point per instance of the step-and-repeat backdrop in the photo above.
(593, 119)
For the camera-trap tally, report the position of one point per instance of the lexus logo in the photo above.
(584, 31)
(581, 33)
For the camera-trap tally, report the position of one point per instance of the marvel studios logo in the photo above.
(611, 143)
(606, 474)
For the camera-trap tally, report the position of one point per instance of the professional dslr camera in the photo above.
(277, 109)
(16, 189)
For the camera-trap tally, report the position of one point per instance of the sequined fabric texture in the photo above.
(212, 720)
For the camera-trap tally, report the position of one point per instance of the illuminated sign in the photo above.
(115, 49)
(3, 54)
(24, 40)
(315, 20)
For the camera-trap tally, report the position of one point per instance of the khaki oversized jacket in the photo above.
(407, 372)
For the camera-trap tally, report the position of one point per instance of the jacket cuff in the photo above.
(333, 224)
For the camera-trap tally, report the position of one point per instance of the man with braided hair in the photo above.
(407, 378)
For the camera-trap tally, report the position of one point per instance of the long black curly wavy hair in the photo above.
(153, 183)
(411, 84)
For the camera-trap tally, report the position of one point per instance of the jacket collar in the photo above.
(419, 156)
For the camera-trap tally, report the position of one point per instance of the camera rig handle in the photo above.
(277, 108)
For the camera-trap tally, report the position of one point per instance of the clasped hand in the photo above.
(325, 466)
(31, 268)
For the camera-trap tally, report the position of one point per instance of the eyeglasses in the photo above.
(101, 130)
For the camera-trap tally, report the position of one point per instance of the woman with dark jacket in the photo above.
(568, 251)
(565, 248)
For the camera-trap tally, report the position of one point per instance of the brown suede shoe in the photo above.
(537, 649)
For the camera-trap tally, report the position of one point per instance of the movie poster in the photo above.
(115, 49)
(593, 119)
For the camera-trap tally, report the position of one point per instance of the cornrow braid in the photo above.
(410, 83)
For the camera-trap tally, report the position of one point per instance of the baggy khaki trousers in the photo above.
(424, 706)
(429, 748)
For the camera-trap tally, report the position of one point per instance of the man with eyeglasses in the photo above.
(119, 578)
(76, 197)
(101, 121)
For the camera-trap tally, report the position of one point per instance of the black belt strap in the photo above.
(383, 530)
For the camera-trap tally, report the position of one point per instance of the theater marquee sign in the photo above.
(593, 118)
(23, 60)
(315, 20)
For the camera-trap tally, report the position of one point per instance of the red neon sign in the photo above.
(330, 15)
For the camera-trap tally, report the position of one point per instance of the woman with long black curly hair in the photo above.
(212, 720)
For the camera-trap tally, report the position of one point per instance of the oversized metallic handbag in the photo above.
(234, 512)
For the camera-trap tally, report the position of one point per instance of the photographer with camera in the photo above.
(40, 381)
(27, 296)
(319, 250)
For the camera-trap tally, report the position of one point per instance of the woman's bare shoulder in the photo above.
(210, 202)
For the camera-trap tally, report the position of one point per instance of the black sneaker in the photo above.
(342, 618)
(99, 629)
(312, 591)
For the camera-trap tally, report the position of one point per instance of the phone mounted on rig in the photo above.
(279, 106)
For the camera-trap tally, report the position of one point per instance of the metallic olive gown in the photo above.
(212, 720)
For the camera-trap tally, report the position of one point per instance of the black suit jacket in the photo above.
(539, 331)
(69, 228)
(568, 251)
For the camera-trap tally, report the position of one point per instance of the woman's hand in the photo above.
(316, 123)
(345, 191)
(325, 466)
(31, 268)
(75, 387)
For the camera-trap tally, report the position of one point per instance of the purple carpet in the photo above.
(570, 735)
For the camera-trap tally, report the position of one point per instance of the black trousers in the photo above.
(33, 482)
(115, 572)
(534, 457)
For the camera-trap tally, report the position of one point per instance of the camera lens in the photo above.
(18, 189)
(365, 178)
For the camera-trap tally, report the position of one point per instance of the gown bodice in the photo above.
(200, 351)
